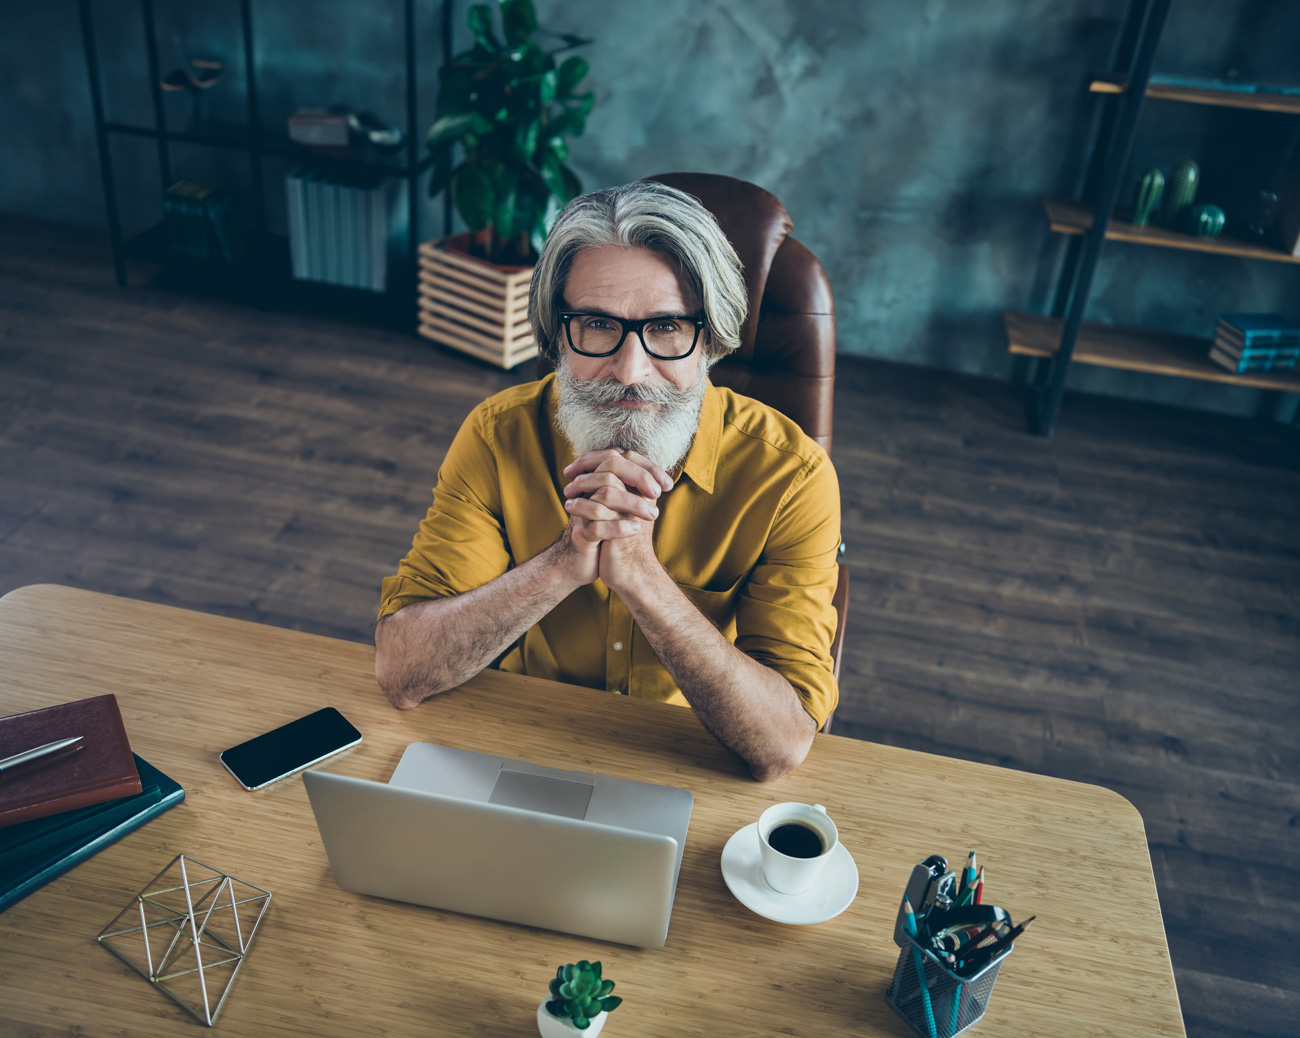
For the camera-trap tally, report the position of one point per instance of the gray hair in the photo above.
(643, 215)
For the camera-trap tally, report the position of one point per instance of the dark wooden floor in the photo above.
(1120, 605)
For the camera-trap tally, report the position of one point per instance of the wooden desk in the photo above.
(327, 962)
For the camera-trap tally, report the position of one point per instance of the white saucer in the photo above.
(831, 894)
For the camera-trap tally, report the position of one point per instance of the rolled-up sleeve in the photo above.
(785, 617)
(461, 542)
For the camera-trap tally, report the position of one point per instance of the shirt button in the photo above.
(618, 646)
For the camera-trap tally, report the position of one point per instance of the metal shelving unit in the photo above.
(264, 276)
(1063, 338)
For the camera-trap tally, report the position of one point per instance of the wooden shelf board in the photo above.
(1132, 349)
(1066, 216)
(1260, 102)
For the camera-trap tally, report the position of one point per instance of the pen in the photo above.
(968, 875)
(37, 751)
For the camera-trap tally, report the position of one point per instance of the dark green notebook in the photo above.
(34, 852)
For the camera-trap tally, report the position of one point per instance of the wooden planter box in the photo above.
(474, 306)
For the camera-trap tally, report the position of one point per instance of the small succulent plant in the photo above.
(578, 993)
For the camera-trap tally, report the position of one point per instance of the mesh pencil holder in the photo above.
(947, 1004)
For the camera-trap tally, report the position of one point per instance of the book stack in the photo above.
(202, 223)
(58, 809)
(1256, 343)
(343, 226)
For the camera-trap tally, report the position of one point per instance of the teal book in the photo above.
(34, 852)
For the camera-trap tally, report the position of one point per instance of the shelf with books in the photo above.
(1132, 349)
(1066, 216)
(260, 141)
(1188, 91)
(1057, 341)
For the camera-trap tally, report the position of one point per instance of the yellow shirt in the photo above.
(749, 531)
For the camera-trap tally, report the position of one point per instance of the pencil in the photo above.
(992, 951)
(909, 927)
(979, 887)
(989, 931)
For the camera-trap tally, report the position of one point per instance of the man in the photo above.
(643, 531)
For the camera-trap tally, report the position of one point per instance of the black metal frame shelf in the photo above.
(259, 275)
(1125, 90)
(236, 138)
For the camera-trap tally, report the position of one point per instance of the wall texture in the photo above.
(909, 139)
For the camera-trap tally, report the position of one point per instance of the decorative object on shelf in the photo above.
(1206, 221)
(202, 223)
(1261, 215)
(474, 306)
(333, 131)
(344, 225)
(195, 76)
(579, 1003)
(510, 108)
(1180, 190)
(1289, 202)
(321, 129)
(188, 932)
(1256, 343)
(385, 139)
(1150, 188)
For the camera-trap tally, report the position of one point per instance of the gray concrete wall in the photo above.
(909, 139)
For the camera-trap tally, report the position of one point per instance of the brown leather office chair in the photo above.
(787, 348)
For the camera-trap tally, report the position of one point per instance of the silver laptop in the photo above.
(585, 854)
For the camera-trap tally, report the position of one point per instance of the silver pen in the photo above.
(37, 751)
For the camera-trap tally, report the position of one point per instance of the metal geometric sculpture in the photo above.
(195, 924)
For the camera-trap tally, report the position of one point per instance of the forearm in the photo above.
(750, 708)
(434, 646)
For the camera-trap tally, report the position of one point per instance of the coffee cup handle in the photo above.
(818, 807)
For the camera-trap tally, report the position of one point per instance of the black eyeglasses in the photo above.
(666, 337)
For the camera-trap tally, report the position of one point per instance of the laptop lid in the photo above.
(622, 803)
(496, 860)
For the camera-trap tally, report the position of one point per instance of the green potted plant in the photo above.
(579, 1002)
(499, 140)
(509, 107)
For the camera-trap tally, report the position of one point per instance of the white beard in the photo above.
(663, 432)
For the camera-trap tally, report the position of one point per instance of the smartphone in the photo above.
(290, 748)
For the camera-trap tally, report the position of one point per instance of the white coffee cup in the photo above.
(793, 869)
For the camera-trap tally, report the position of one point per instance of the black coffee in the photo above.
(797, 840)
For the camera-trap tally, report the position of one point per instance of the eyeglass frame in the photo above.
(628, 327)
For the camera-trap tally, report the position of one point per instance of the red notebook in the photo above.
(98, 768)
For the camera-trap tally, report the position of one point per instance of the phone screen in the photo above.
(290, 748)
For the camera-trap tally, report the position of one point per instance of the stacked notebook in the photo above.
(59, 809)
(343, 225)
(1256, 343)
(202, 223)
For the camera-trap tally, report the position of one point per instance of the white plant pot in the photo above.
(555, 1027)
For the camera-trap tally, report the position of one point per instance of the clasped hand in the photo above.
(612, 501)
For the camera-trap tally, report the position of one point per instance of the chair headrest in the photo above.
(753, 220)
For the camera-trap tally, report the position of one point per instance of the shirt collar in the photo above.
(702, 459)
